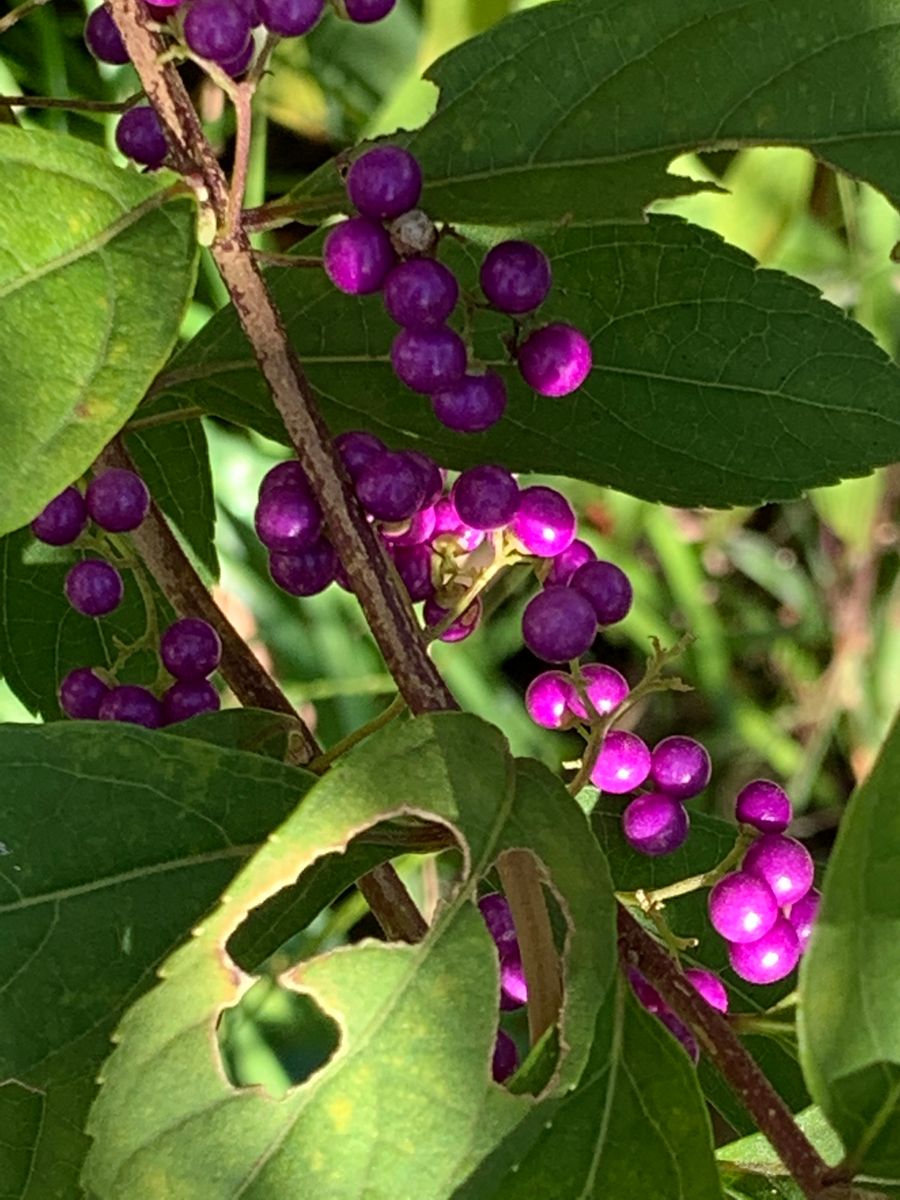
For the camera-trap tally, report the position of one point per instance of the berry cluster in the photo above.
(221, 33)
(390, 247)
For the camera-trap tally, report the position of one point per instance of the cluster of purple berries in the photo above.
(497, 916)
(190, 651)
(220, 31)
(389, 247)
(765, 910)
(117, 501)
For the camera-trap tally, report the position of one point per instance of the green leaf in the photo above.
(574, 111)
(425, 1013)
(850, 979)
(636, 1125)
(115, 841)
(96, 270)
(254, 730)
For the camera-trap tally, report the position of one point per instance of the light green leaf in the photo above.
(96, 270)
(406, 1105)
(850, 979)
(115, 841)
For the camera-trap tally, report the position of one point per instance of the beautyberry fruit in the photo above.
(655, 824)
(63, 520)
(357, 256)
(763, 805)
(384, 182)
(94, 587)
(742, 908)
(118, 500)
(558, 624)
(81, 693)
(555, 360)
(190, 649)
(622, 764)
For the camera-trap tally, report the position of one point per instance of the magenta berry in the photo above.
(742, 908)
(769, 958)
(140, 136)
(655, 824)
(185, 700)
(390, 487)
(287, 518)
(103, 38)
(190, 649)
(710, 987)
(605, 687)
(544, 523)
(357, 255)
(81, 693)
(413, 532)
(63, 520)
(486, 497)
(607, 587)
(286, 474)
(118, 500)
(505, 1057)
(307, 572)
(428, 360)
(461, 628)
(680, 767)
(763, 805)
(420, 293)
(472, 404)
(133, 705)
(558, 624)
(94, 587)
(802, 915)
(413, 565)
(513, 985)
(555, 360)
(289, 18)
(566, 564)
(515, 276)
(622, 764)
(216, 29)
(495, 910)
(549, 700)
(384, 182)
(784, 863)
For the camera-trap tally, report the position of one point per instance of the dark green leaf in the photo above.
(252, 729)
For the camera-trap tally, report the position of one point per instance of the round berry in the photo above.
(418, 529)
(461, 628)
(216, 29)
(763, 805)
(185, 700)
(768, 959)
(118, 500)
(655, 824)
(384, 182)
(289, 18)
(515, 277)
(238, 65)
(486, 497)
(742, 908)
(357, 255)
(681, 767)
(802, 915)
(558, 624)
(566, 564)
(413, 565)
(94, 587)
(140, 136)
(287, 519)
(555, 360)
(81, 693)
(63, 520)
(132, 704)
(608, 589)
(784, 863)
(190, 649)
(471, 405)
(364, 12)
(605, 687)
(513, 985)
(430, 474)
(285, 474)
(307, 572)
(420, 293)
(544, 523)
(428, 360)
(103, 39)
(710, 987)
(505, 1058)
(622, 764)
(549, 700)
(390, 488)
(358, 450)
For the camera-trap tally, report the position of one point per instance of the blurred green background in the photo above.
(795, 608)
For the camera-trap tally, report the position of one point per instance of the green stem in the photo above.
(753, 1023)
(491, 572)
(18, 13)
(649, 900)
(323, 761)
(172, 417)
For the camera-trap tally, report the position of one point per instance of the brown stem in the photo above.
(521, 879)
(739, 1070)
(271, 258)
(74, 105)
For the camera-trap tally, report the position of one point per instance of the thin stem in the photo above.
(18, 13)
(172, 417)
(271, 258)
(243, 111)
(261, 65)
(470, 595)
(650, 900)
(322, 762)
(397, 913)
(756, 1023)
(74, 105)
(275, 214)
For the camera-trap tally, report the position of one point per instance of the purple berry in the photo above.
(94, 587)
(238, 65)
(549, 700)
(505, 1058)
(307, 572)
(681, 767)
(558, 624)
(413, 565)
(390, 487)
(606, 688)
(515, 277)
(769, 958)
(498, 917)
(357, 451)
(446, 518)
(430, 474)
(216, 29)
(655, 824)
(555, 360)
(364, 12)
(384, 182)
(357, 255)
(608, 589)
(710, 987)
(486, 497)
(802, 915)
(763, 805)
(290, 18)
(185, 700)
(513, 985)
(80, 694)
(461, 628)
(190, 649)
(103, 39)
(140, 136)
(285, 474)
(63, 520)
(566, 564)
(783, 863)
(420, 293)
(742, 908)
(680, 1031)
(428, 360)
(473, 404)
(117, 500)
(622, 764)
(287, 519)
(418, 529)
(132, 704)
(544, 523)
